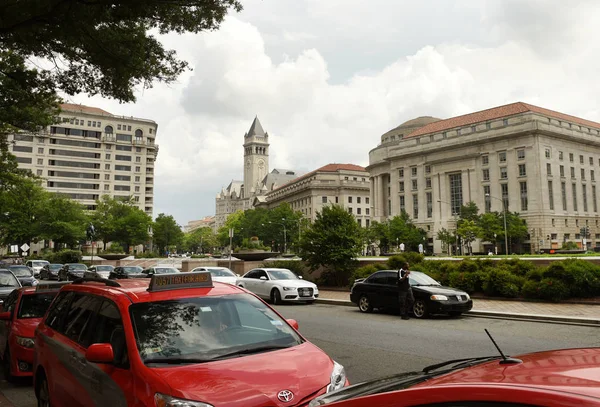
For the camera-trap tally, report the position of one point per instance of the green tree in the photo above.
(469, 211)
(63, 221)
(201, 240)
(446, 237)
(379, 232)
(517, 228)
(402, 230)
(332, 241)
(468, 231)
(491, 227)
(234, 221)
(166, 232)
(22, 208)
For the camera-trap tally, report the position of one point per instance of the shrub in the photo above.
(114, 248)
(468, 266)
(502, 282)
(553, 289)
(584, 278)
(557, 271)
(363, 272)
(479, 278)
(531, 289)
(463, 281)
(517, 267)
(65, 256)
(297, 267)
(536, 274)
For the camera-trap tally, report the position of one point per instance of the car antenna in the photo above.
(506, 360)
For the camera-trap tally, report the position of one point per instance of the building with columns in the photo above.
(538, 162)
(258, 181)
(342, 184)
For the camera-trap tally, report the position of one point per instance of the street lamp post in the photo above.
(505, 230)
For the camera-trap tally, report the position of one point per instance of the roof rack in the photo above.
(110, 283)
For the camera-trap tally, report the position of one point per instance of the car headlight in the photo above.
(289, 288)
(439, 298)
(162, 400)
(25, 342)
(338, 377)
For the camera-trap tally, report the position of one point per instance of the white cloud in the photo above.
(315, 118)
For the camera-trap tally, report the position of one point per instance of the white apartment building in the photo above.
(91, 153)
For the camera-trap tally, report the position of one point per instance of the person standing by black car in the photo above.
(405, 294)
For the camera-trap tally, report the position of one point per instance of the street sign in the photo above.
(14, 248)
(24, 254)
(421, 248)
(584, 242)
(25, 247)
(230, 232)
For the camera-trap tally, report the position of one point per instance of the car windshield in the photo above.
(39, 263)
(21, 271)
(35, 305)
(202, 329)
(77, 266)
(165, 270)
(8, 280)
(215, 272)
(132, 269)
(55, 266)
(282, 275)
(418, 278)
(104, 268)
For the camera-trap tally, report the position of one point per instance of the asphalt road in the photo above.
(375, 345)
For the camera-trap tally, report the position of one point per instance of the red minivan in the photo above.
(174, 340)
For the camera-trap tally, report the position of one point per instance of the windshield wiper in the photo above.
(459, 363)
(250, 351)
(176, 360)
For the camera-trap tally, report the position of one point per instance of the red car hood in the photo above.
(254, 380)
(569, 370)
(26, 326)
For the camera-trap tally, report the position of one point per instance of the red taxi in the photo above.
(21, 313)
(567, 377)
(174, 340)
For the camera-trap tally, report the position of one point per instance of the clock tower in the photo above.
(256, 158)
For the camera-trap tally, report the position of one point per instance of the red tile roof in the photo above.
(72, 107)
(326, 168)
(496, 113)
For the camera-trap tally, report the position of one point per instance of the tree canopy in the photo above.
(166, 232)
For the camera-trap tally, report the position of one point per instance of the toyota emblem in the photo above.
(285, 395)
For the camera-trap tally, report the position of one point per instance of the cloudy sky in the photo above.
(328, 77)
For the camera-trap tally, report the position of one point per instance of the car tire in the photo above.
(364, 304)
(420, 309)
(43, 393)
(276, 296)
(455, 314)
(6, 367)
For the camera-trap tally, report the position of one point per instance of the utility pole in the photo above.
(230, 245)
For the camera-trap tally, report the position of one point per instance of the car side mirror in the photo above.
(100, 353)
(293, 323)
(5, 316)
(263, 278)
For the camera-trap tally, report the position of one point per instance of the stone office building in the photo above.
(537, 162)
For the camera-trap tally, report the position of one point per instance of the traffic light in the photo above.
(587, 231)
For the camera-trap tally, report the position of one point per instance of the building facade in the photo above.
(91, 153)
(206, 222)
(258, 181)
(342, 184)
(527, 159)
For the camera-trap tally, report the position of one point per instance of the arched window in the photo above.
(108, 130)
(139, 133)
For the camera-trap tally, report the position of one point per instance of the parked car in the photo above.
(279, 285)
(380, 290)
(8, 283)
(99, 271)
(50, 271)
(566, 377)
(126, 272)
(220, 274)
(71, 271)
(24, 274)
(36, 266)
(149, 272)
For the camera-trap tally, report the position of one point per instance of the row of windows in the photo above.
(77, 122)
(359, 211)
(563, 194)
(75, 185)
(75, 132)
(325, 199)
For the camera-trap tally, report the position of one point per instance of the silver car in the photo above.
(99, 271)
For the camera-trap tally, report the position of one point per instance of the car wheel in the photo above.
(455, 314)
(364, 304)
(43, 395)
(7, 371)
(276, 296)
(420, 309)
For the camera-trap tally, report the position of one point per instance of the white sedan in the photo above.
(279, 285)
(220, 274)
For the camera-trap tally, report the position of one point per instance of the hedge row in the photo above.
(512, 278)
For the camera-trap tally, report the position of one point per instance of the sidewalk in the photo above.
(574, 313)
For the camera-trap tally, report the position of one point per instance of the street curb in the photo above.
(498, 315)
(4, 402)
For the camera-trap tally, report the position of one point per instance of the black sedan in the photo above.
(50, 271)
(24, 274)
(71, 271)
(380, 290)
(127, 272)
